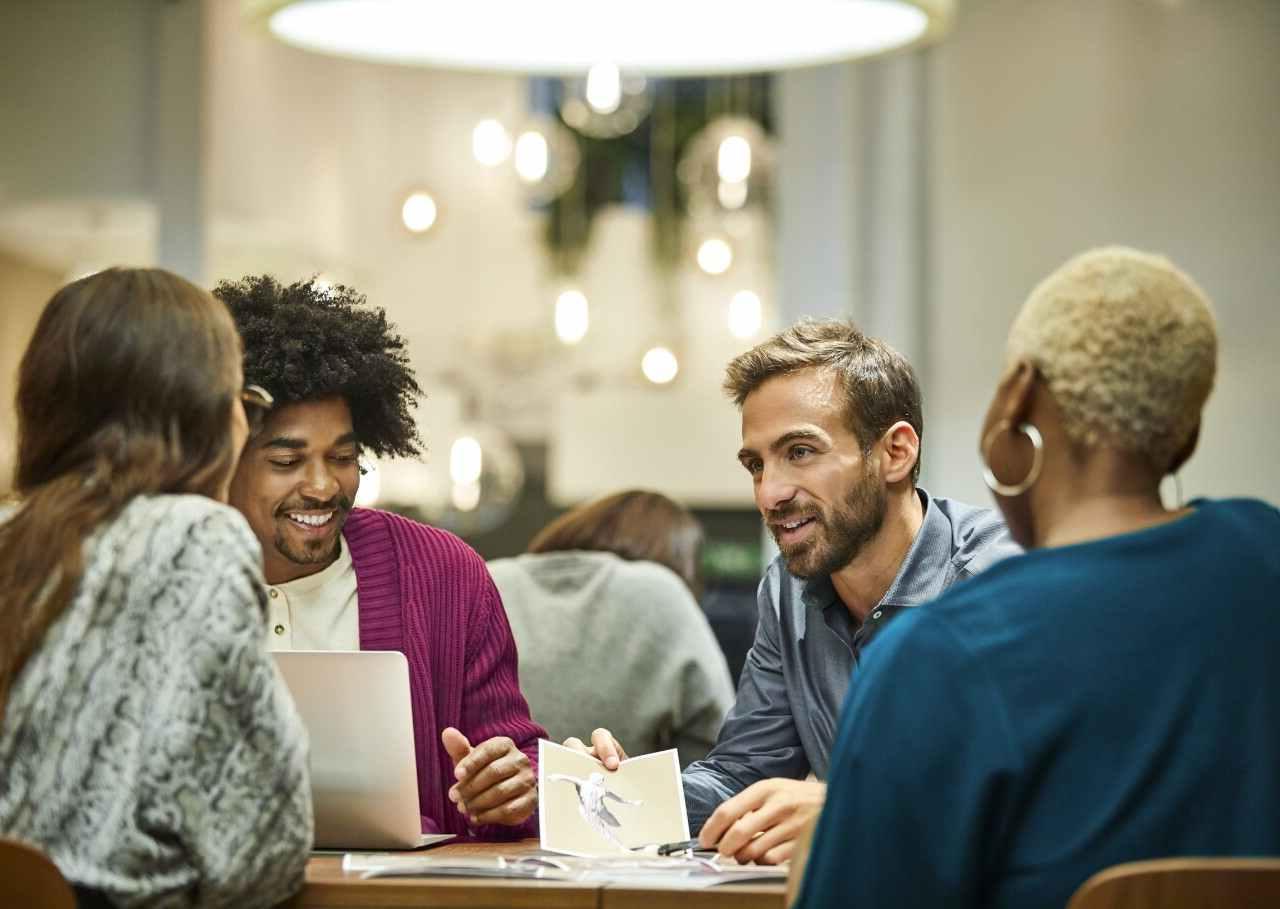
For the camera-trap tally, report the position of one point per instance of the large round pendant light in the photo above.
(566, 37)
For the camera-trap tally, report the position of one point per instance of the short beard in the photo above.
(317, 552)
(838, 541)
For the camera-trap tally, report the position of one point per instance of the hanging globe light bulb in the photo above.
(659, 365)
(419, 211)
(714, 255)
(490, 143)
(468, 482)
(727, 165)
(545, 158)
(604, 88)
(606, 103)
(572, 317)
(470, 488)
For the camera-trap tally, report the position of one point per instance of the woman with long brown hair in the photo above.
(144, 742)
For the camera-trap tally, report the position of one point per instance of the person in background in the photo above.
(144, 742)
(610, 589)
(1112, 695)
(345, 578)
(831, 429)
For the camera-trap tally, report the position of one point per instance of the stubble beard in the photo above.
(839, 539)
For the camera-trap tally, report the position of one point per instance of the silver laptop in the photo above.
(364, 783)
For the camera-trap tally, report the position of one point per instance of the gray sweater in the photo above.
(147, 746)
(624, 645)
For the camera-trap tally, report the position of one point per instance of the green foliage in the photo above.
(643, 163)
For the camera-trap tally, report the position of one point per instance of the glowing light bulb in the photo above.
(490, 143)
(715, 255)
(572, 317)
(745, 314)
(659, 365)
(732, 195)
(419, 212)
(575, 113)
(532, 156)
(466, 460)
(465, 496)
(733, 161)
(604, 88)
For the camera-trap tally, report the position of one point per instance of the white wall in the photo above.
(74, 95)
(101, 117)
(1058, 125)
(1053, 125)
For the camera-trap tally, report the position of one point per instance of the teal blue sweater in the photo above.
(1067, 710)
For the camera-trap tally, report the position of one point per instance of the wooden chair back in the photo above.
(30, 880)
(1183, 883)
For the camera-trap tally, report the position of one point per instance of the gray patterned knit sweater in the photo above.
(147, 746)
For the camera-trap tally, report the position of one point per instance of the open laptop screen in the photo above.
(355, 705)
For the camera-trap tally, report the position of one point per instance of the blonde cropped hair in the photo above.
(1128, 345)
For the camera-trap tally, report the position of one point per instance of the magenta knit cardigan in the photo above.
(424, 592)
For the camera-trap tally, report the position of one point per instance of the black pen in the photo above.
(682, 846)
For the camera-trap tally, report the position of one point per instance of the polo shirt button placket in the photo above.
(280, 628)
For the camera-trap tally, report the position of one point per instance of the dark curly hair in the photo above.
(308, 341)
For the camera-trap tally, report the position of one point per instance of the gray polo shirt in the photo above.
(783, 723)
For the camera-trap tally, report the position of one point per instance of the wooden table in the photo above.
(725, 896)
(329, 887)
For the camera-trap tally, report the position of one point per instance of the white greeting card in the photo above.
(587, 810)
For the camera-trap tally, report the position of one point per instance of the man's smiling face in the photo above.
(296, 483)
(820, 496)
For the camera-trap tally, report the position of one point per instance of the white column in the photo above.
(818, 114)
(177, 108)
(893, 203)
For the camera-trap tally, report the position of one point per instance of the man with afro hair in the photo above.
(346, 578)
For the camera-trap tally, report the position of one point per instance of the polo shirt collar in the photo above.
(919, 577)
(922, 576)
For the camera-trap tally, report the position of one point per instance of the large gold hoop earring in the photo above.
(1178, 501)
(1037, 459)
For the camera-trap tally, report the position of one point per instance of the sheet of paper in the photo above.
(654, 872)
(586, 810)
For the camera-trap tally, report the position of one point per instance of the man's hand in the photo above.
(604, 748)
(496, 783)
(762, 822)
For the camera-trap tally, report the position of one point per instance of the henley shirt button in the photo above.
(876, 614)
(274, 593)
(279, 629)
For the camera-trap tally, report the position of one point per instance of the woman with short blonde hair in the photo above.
(1114, 694)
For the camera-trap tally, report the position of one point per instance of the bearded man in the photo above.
(831, 428)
